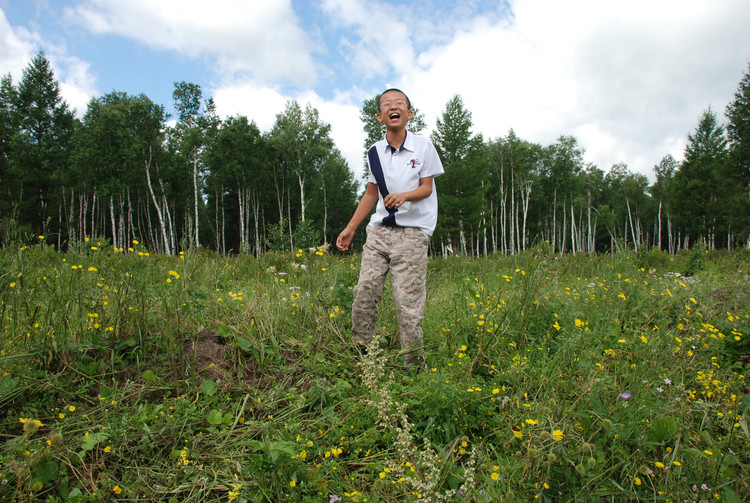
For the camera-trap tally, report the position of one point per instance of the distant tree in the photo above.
(625, 193)
(660, 191)
(593, 188)
(196, 120)
(116, 157)
(238, 183)
(513, 172)
(736, 181)
(462, 188)
(42, 144)
(337, 196)
(302, 144)
(563, 162)
(696, 192)
(738, 128)
(9, 127)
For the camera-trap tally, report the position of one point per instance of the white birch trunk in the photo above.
(553, 239)
(301, 181)
(503, 212)
(526, 195)
(512, 212)
(632, 230)
(325, 209)
(256, 217)
(93, 214)
(195, 197)
(658, 223)
(291, 236)
(112, 220)
(157, 206)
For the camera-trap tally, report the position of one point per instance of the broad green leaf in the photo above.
(215, 417)
(244, 344)
(209, 388)
(149, 376)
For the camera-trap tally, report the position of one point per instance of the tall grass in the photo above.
(132, 376)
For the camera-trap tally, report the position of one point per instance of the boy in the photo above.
(402, 168)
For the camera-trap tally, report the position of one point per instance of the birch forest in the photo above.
(125, 171)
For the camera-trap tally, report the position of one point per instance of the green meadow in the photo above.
(133, 376)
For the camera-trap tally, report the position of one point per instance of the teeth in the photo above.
(394, 116)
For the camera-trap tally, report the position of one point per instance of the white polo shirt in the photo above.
(402, 169)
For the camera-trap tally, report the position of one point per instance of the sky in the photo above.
(629, 80)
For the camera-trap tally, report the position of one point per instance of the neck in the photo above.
(396, 138)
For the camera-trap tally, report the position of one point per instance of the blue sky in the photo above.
(628, 79)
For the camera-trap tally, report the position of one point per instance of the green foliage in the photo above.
(37, 144)
(219, 183)
(697, 190)
(736, 179)
(461, 192)
(654, 259)
(206, 378)
(696, 260)
(278, 236)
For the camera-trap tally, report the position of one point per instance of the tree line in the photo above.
(128, 171)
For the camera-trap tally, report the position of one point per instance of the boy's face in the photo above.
(393, 110)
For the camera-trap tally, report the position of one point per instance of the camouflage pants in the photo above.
(403, 251)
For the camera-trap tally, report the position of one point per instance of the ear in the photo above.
(410, 114)
(379, 116)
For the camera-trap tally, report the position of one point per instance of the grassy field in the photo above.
(128, 376)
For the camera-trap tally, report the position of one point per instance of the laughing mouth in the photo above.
(394, 116)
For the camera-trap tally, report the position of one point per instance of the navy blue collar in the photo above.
(396, 150)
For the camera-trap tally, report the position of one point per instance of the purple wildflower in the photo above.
(625, 395)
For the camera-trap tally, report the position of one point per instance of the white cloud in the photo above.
(258, 39)
(346, 127)
(258, 104)
(628, 80)
(77, 84)
(17, 47)
(262, 104)
(381, 40)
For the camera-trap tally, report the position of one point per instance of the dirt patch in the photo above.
(731, 299)
(213, 361)
(210, 355)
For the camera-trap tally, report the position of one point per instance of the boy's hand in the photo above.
(394, 200)
(345, 239)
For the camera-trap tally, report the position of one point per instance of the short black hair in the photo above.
(408, 102)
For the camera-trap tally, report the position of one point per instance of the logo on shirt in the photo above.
(414, 163)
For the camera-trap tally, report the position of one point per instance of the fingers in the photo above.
(393, 201)
(343, 241)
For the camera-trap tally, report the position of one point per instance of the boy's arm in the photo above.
(366, 204)
(397, 200)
